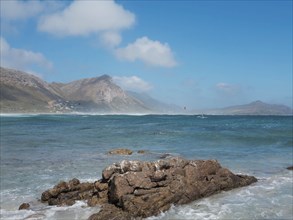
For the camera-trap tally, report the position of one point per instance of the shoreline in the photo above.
(132, 114)
(39, 151)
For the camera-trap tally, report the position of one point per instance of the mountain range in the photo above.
(253, 108)
(21, 92)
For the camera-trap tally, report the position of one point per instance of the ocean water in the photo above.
(37, 151)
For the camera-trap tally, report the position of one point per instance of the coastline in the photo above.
(139, 114)
(39, 151)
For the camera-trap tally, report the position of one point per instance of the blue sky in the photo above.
(199, 54)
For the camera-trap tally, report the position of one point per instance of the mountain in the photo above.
(99, 94)
(22, 92)
(25, 93)
(253, 108)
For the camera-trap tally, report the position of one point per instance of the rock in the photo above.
(109, 211)
(290, 168)
(164, 156)
(67, 193)
(142, 151)
(136, 186)
(137, 189)
(93, 201)
(121, 151)
(73, 182)
(24, 206)
(100, 186)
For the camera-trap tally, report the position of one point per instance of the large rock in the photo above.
(136, 189)
(136, 186)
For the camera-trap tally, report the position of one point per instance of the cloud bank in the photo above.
(111, 39)
(15, 10)
(20, 58)
(133, 83)
(150, 52)
(102, 19)
(82, 18)
(107, 19)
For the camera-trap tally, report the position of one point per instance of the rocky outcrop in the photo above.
(130, 189)
(290, 168)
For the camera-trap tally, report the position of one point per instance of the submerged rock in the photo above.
(142, 151)
(290, 168)
(24, 206)
(164, 156)
(136, 189)
(121, 151)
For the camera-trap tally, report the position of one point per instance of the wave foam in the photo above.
(270, 198)
(78, 211)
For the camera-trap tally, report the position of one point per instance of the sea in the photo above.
(38, 151)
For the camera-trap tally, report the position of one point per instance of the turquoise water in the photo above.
(37, 151)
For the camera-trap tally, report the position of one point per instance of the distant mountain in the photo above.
(99, 94)
(25, 93)
(22, 92)
(253, 108)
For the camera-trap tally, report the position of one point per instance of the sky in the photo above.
(198, 54)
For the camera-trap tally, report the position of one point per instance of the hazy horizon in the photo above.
(198, 54)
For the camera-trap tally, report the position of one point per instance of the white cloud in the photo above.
(82, 18)
(20, 58)
(152, 53)
(133, 83)
(15, 10)
(225, 87)
(111, 39)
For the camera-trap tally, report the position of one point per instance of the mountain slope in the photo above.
(25, 93)
(259, 108)
(22, 92)
(253, 108)
(99, 93)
